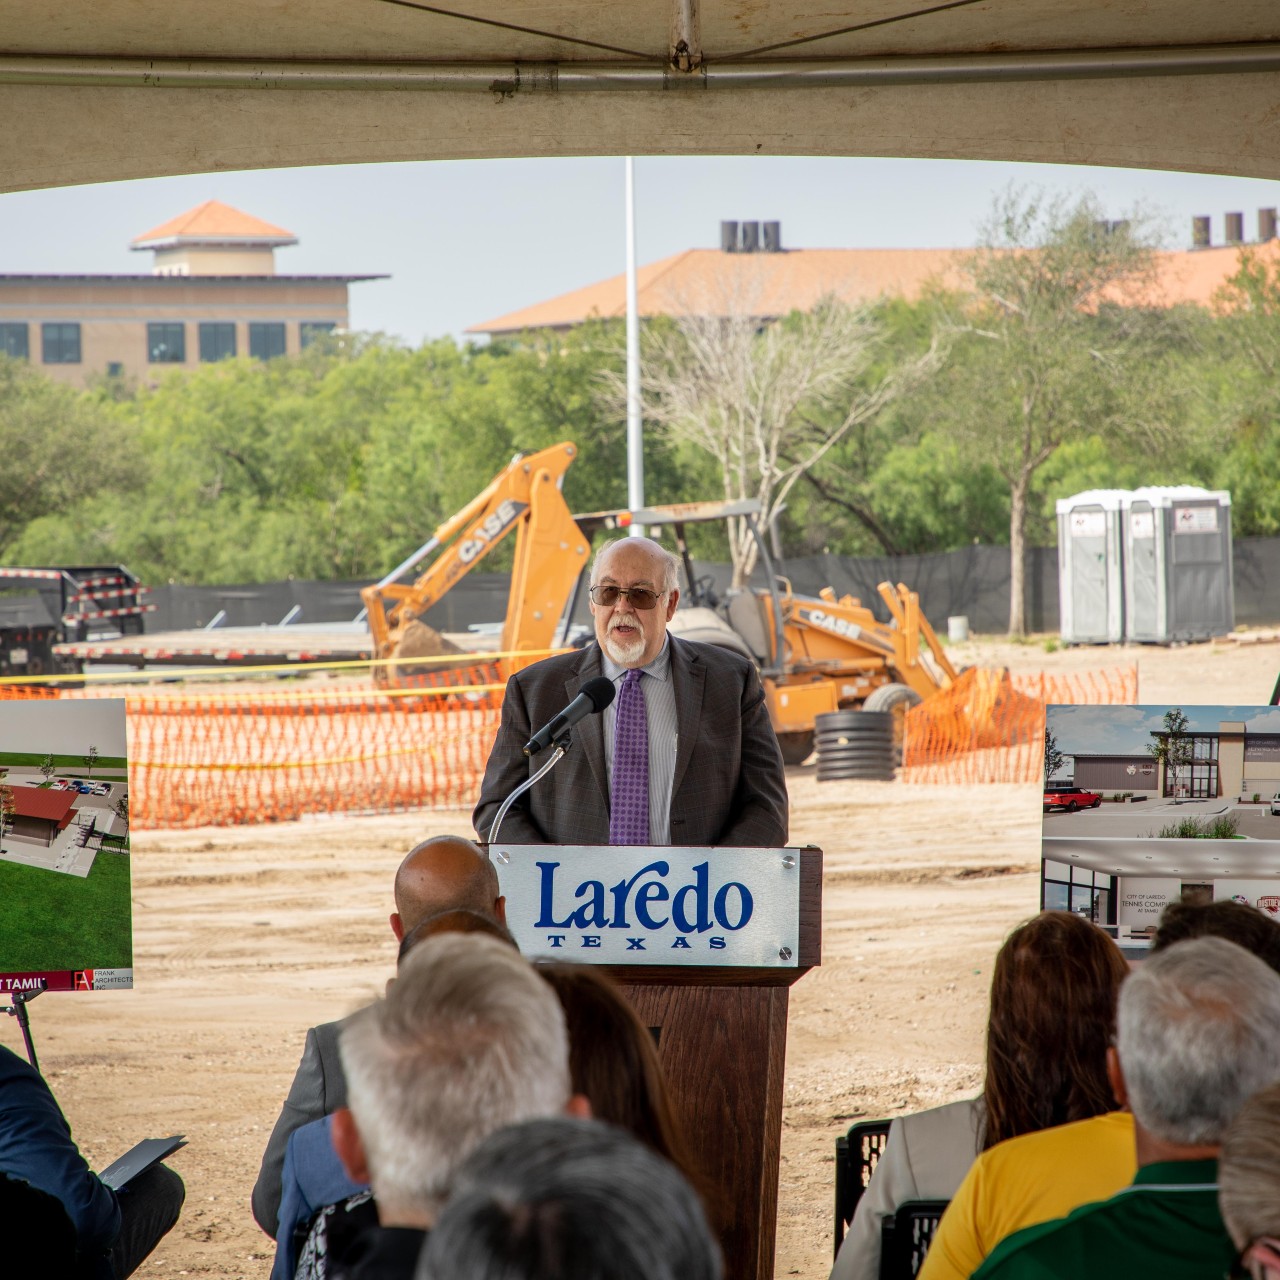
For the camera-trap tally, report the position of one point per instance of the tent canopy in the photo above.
(139, 88)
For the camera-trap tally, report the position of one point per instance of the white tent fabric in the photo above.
(93, 90)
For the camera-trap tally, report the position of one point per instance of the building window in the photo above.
(266, 340)
(115, 369)
(166, 343)
(13, 341)
(217, 342)
(310, 330)
(1086, 893)
(60, 343)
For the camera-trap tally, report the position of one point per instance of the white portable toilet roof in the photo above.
(1107, 499)
(1165, 495)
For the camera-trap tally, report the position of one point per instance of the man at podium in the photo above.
(684, 754)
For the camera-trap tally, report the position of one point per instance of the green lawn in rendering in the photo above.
(76, 764)
(52, 921)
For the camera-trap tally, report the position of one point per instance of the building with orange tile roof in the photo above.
(213, 293)
(214, 239)
(766, 284)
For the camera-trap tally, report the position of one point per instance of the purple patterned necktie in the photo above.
(629, 784)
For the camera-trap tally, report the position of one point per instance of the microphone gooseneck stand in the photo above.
(561, 746)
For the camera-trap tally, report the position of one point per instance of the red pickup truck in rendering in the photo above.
(1070, 798)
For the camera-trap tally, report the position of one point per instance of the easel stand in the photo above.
(18, 1009)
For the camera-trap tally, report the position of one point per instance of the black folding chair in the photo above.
(856, 1156)
(905, 1238)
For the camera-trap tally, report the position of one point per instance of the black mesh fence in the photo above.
(973, 582)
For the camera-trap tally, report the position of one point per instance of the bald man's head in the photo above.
(445, 873)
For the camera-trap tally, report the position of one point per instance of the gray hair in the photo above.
(1249, 1170)
(468, 1039)
(550, 1190)
(1198, 1032)
(670, 562)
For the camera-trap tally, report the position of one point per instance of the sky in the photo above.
(1114, 730)
(65, 728)
(468, 240)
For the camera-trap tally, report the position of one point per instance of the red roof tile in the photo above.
(708, 281)
(36, 802)
(218, 222)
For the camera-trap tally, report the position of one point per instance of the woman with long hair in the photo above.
(614, 1063)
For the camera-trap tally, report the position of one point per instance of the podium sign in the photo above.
(638, 905)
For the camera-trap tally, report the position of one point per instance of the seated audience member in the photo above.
(469, 1039)
(1198, 1033)
(1249, 1184)
(114, 1231)
(1043, 1176)
(560, 1199)
(441, 874)
(39, 1238)
(313, 1177)
(1053, 1000)
(1254, 930)
(614, 1064)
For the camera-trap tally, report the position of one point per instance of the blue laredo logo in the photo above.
(693, 909)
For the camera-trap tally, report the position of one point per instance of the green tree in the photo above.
(1059, 346)
(1053, 757)
(58, 445)
(90, 759)
(765, 403)
(48, 768)
(1173, 748)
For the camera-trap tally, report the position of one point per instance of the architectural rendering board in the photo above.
(1146, 805)
(64, 846)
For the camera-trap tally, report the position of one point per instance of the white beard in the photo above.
(623, 654)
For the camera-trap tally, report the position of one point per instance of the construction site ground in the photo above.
(245, 936)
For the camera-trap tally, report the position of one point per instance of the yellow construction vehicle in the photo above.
(550, 555)
(815, 654)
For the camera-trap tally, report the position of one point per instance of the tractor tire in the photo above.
(897, 699)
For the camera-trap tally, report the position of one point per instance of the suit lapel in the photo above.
(688, 675)
(588, 734)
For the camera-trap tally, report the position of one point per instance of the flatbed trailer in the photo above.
(224, 647)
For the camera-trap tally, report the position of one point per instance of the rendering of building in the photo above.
(753, 274)
(213, 293)
(1228, 762)
(39, 815)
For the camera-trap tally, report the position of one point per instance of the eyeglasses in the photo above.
(606, 595)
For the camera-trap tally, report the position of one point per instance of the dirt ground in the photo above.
(245, 936)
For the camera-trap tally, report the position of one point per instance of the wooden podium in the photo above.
(721, 1031)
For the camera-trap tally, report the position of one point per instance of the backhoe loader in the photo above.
(815, 654)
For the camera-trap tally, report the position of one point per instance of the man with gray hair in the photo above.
(631, 777)
(439, 874)
(1197, 1034)
(468, 1040)
(539, 1193)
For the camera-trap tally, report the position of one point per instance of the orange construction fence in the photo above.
(989, 725)
(218, 755)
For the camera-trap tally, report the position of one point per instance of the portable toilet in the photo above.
(1090, 575)
(1177, 555)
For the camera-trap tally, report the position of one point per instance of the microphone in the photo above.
(592, 699)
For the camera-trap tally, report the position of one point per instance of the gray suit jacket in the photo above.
(319, 1088)
(729, 786)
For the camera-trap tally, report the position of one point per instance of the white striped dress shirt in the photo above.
(660, 718)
